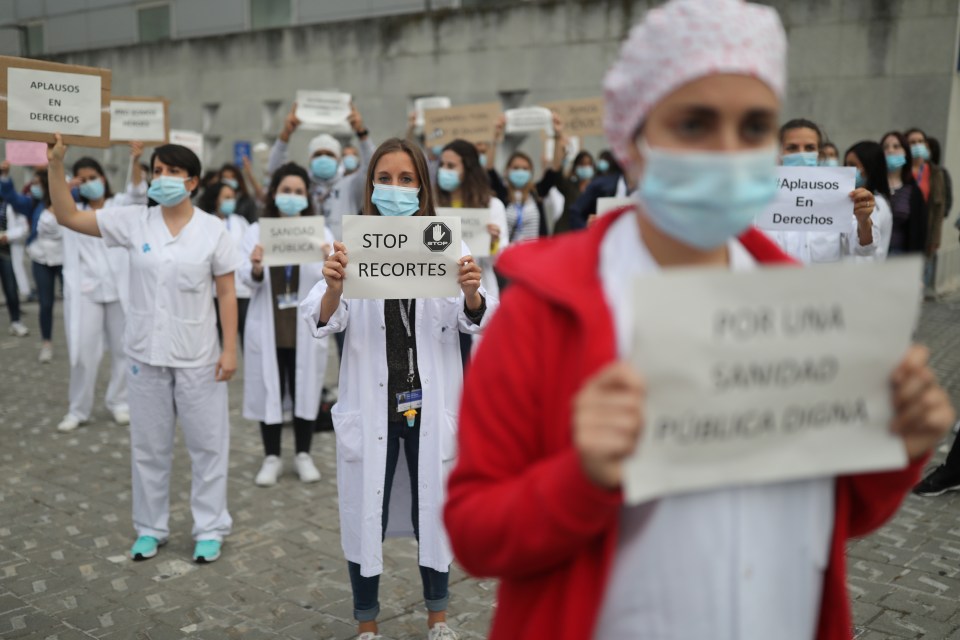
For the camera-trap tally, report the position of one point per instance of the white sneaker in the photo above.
(18, 329)
(121, 417)
(69, 423)
(441, 631)
(305, 468)
(269, 472)
(46, 354)
(368, 635)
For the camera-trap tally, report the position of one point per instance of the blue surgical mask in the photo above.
(36, 191)
(519, 178)
(323, 167)
(483, 160)
(396, 201)
(230, 182)
(859, 181)
(92, 189)
(448, 180)
(920, 150)
(802, 159)
(585, 172)
(603, 165)
(228, 206)
(351, 162)
(437, 149)
(896, 161)
(830, 162)
(290, 204)
(704, 199)
(167, 191)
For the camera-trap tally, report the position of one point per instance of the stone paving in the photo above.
(65, 530)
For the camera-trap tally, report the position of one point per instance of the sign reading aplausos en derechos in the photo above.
(401, 257)
(771, 375)
(295, 240)
(473, 227)
(811, 199)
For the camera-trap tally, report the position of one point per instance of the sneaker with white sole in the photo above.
(305, 468)
(121, 417)
(441, 631)
(18, 329)
(206, 551)
(269, 472)
(46, 354)
(369, 635)
(145, 547)
(69, 423)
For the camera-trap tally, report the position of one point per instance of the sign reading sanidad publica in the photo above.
(473, 228)
(768, 375)
(39, 99)
(811, 199)
(402, 257)
(293, 240)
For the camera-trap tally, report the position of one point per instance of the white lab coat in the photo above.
(261, 378)
(360, 421)
(498, 216)
(237, 227)
(816, 247)
(17, 252)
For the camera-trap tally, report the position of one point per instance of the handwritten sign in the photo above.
(39, 99)
(414, 257)
(192, 140)
(528, 119)
(26, 154)
(294, 240)
(473, 123)
(473, 228)
(769, 375)
(580, 117)
(324, 110)
(143, 119)
(811, 199)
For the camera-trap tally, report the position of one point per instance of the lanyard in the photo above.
(405, 306)
(518, 225)
(920, 173)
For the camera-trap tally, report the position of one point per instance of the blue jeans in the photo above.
(11, 293)
(46, 279)
(930, 273)
(366, 602)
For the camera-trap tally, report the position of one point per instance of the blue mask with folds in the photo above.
(351, 162)
(323, 167)
(802, 159)
(896, 161)
(396, 201)
(36, 191)
(92, 189)
(519, 178)
(448, 180)
(290, 204)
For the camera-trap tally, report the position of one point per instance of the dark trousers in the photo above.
(366, 601)
(10, 291)
(46, 278)
(302, 429)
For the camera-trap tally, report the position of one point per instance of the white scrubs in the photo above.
(171, 339)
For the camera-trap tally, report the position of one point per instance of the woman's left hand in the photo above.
(923, 414)
(470, 281)
(863, 203)
(227, 365)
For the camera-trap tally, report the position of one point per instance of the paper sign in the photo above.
(606, 205)
(528, 119)
(811, 199)
(579, 117)
(409, 257)
(192, 140)
(142, 119)
(26, 154)
(473, 228)
(39, 99)
(324, 110)
(770, 375)
(294, 240)
(241, 150)
(473, 123)
(422, 104)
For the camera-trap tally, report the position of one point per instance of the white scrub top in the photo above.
(171, 321)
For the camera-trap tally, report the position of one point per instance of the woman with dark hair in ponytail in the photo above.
(909, 209)
(868, 159)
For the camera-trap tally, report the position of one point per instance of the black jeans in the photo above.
(366, 602)
(11, 293)
(46, 278)
(302, 429)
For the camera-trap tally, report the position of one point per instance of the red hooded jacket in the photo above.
(519, 506)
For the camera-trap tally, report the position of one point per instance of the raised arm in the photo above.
(278, 153)
(21, 203)
(64, 207)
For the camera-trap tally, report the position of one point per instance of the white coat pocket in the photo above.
(193, 284)
(348, 427)
(445, 323)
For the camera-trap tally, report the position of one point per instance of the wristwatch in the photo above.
(363, 134)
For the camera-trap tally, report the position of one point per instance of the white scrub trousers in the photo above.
(98, 321)
(158, 396)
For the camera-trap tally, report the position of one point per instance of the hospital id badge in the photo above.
(409, 400)
(287, 301)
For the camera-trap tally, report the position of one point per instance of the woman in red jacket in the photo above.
(691, 111)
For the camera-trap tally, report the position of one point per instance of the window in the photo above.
(265, 14)
(154, 23)
(33, 39)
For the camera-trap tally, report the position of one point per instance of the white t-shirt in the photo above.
(743, 563)
(171, 320)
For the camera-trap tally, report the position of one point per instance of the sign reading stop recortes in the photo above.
(414, 257)
(811, 199)
(143, 119)
(39, 99)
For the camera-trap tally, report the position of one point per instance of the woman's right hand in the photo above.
(608, 420)
(335, 268)
(290, 124)
(57, 150)
(256, 260)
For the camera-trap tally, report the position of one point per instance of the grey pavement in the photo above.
(65, 531)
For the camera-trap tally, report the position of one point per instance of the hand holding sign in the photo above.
(469, 280)
(923, 410)
(57, 150)
(335, 269)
